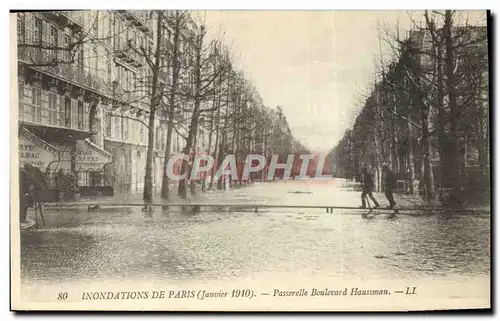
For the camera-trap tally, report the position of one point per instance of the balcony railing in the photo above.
(129, 56)
(138, 17)
(41, 60)
(46, 60)
(76, 17)
(126, 53)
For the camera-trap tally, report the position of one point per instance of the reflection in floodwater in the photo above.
(185, 243)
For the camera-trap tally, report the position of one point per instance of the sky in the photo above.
(317, 65)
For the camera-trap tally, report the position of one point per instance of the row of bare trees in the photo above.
(184, 80)
(216, 97)
(427, 114)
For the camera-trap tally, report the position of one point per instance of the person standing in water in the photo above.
(390, 185)
(367, 185)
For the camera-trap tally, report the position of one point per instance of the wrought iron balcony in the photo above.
(138, 17)
(47, 61)
(70, 18)
(127, 54)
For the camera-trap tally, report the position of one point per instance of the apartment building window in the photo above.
(119, 75)
(54, 41)
(125, 128)
(21, 100)
(66, 45)
(81, 123)
(116, 28)
(97, 125)
(108, 23)
(164, 139)
(173, 145)
(133, 132)
(142, 42)
(131, 82)
(108, 70)
(52, 109)
(120, 34)
(38, 30)
(21, 92)
(157, 144)
(108, 125)
(202, 138)
(21, 27)
(36, 104)
(74, 113)
(118, 127)
(131, 38)
(61, 111)
(95, 24)
(126, 84)
(141, 133)
(89, 53)
(95, 61)
(67, 111)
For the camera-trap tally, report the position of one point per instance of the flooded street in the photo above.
(123, 243)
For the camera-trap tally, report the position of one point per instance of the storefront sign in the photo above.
(89, 156)
(35, 151)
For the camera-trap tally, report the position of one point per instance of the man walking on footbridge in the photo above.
(367, 185)
(390, 184)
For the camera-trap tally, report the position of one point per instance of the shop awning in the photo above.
(35, 151)
(54, 133)
(89, 156)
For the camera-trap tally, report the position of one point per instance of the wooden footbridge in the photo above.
(231, 207)
(196, 207)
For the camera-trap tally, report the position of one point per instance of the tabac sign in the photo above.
(35, 151)
(90, 156)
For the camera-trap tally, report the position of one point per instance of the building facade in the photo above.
(84, 94)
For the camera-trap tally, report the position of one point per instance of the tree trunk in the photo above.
(426, 165)
(148, 181)
(193, 127)
(453, 149)
(441, 119)
(216, 151)
(171, 106)
(378, 182)
(211, 132)
(192, 184)
(220, 181)
(411, 170)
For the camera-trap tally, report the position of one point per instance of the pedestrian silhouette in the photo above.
(390, 184)
(367, 185)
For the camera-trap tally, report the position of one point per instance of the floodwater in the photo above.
(171, 244)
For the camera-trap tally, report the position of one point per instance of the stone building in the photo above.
(84, 94)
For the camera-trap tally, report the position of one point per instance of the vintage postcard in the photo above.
(168, 160)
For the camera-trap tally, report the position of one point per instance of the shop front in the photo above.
(36, 152)
(90, 167)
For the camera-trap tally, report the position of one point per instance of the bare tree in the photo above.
(435, 86)
(204, 79)
(177, 23)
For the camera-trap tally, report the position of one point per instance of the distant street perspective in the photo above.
(186, 146)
